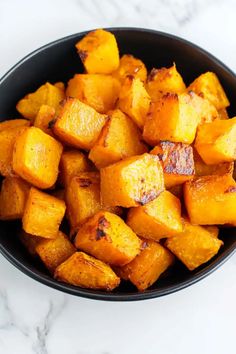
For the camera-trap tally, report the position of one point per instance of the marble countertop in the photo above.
(35, 319)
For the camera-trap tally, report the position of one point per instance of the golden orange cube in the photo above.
(147, 267)
(107, 237)
(131, 182)
(216, 141)
(47, 94)
(79, 124)
(194, 246)
(56, 251)
(45, 119)
(87, 272)
(14, 192)
(36, 157)
(134, 100)
(163, 80)
(211, 200)
(43, 214)
(130, 66)
(98, 91)
(157, 219)
(13, 123)
(30, 242)
(177, 162)
(202, 169)
(99, 52)
(120, 138)
(208, 86)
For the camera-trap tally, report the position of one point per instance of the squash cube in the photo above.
(43, 214)
(211, 200)
(56, 251)
(216, 141)
(47, 94)
(164, 80)
(78, 124)
(208, 86)
(120, 138)
(13, 123)
(213, 230)
(44, 119)
(30, 242)
(134, 100)
(147, 267)
(14, 192)
(131, 182)
(202, 169)
(173, 117)
(97, 91)
(107, 237)
(177, 162)
(36, 157)
(99, 52)
(130, 66)
(87, 272)
(194, 246)
(157, 219)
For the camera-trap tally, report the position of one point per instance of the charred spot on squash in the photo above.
(83, 54)
(84, 182)
(51, 123)
(147, 197)
(152, 75)
(103, 223)
(231, 189)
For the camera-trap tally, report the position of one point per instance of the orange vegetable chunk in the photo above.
(130, 66)
(202, 169)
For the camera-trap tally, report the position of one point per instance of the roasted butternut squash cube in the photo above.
(132, 182)
(78, 124)
(107, 237)
(72, 163)
(157, 219)
(163, 80)
(211, 200)
(56, 251)
(223, 114)
(177, 162)
(14, 192)
(134, 100)
(45, 119)
(205, 109)
(202, 169)
(216, 141)
(208, 86)
(194, 246)
(48, 94)
(13, 123)
(87, 272)
(99, 52)
(43, 214)
(147, 267)
(30, 242)
(120, 138)
(7, 142)
(130, 66)
(36, 157)
(98, 91)
(173, 117)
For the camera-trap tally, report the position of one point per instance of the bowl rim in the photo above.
(99, 295)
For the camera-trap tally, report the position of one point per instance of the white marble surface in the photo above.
(40, 320)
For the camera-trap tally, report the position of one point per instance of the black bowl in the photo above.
(58, 61)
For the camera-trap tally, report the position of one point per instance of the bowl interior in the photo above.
(59, 61)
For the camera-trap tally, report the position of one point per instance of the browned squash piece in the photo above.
(43, 214)
(211, 200)
(54, 252)
(202, 169)
(208, 86)
(47, 94)
(14, 192)
(157, 219)
(60, 85)
(72, 163)
(30, 242)
(36, 157)
(98, 91)
(87, 272)
(223, 114)
(119, 138)
(99, 52)
(194, 246)
(45, 119)
(107, 237)
(131, 182)
(163, 80)
(177, 162)
(216, 141)
(147, 267)
(134, 100)
(130, 66)
(13, 123)
(78, 124)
